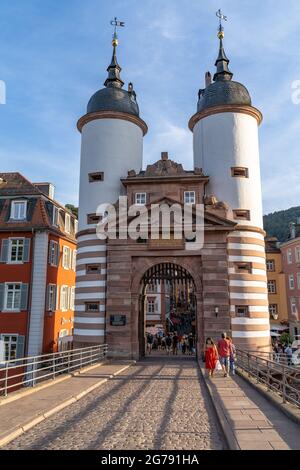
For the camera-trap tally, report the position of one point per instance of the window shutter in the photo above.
(57, 253)
(26, 252)
(48, 298)
(24, 297)
(49, 254)
(57, 298)
(54, 298)
(4, 251)
(2, 295)
(20, 347)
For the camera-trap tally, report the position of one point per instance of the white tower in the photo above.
(225, 131)
(112, 142)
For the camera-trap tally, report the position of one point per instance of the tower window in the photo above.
(241, 311)
(96, 177)
(240, 214)
(140, 199)
(189, 197)
(239, 172)
(93, 269)
(92, 307)
(245, 268)
(93, 219)
(272, 287)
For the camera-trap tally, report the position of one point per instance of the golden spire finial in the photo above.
(116, 24)
(221, 17)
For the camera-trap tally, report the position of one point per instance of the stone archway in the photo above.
(140, 266)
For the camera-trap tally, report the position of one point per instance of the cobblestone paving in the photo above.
(157, 404)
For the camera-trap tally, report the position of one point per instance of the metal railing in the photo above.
(31, 371)
(279, 358)
(280, 378)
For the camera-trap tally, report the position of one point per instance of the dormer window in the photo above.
(67, 223)
(18, 210)
(140, 199)
(189, 197)
(75, 226)
(55, 216)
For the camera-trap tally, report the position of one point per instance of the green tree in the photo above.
(73, 209)
(286, 339)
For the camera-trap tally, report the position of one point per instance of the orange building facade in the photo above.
(277, 293)
(37, 269)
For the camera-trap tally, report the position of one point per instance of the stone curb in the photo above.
(48, 383)
(17, 432)
(287, 409)
(229, 436)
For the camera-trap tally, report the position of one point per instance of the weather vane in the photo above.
(221, 17)
(116, 24)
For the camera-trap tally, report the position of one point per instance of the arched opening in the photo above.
(168, 307)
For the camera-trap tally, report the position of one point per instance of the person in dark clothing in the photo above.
(175, 344)
(168, 344)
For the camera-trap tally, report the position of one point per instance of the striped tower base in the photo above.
(252, 331)
(89, 327)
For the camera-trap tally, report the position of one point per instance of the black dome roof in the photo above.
(113, 99)
(224, 92)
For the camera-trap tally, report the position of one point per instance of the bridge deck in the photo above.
(162, 403)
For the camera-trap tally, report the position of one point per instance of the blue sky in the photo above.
(54, 55)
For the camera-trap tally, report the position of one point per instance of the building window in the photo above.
(16, 250)
(298, 280)
(140, 199)
(241, 268)
(241, 311)
(189, 197)
(96, 177)
(294, 309)
(152, 289)
(18, 210)
(92, 307)
(53, 253)
(10, 347)
(51, 302)
(297, 253)
(72, 298)
(67, 223)
(66, 259)
(240, 214)
(239, 172)
(273, 309)
(93, 268)
(64, 298)
(291, 282)
(55, 216)
(272, 287)
(270, 265)
(93, 219)
(151, 306)
(75, 226)
(289, 256)
(13, 297)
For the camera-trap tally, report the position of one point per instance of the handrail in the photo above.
(279, 378)
(30, 371)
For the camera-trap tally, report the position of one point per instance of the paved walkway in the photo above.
(21, 414)
(251, 422)
(160, 403)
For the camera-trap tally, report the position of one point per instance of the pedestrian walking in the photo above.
(211, 357)
(232, 359)
(224, 349)
(149, 342)
(289, 354)
(168, 344)
(175, 344)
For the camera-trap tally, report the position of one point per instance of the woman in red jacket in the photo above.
(211, 357)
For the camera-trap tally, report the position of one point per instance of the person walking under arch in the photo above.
(211, 357)
(225, 351)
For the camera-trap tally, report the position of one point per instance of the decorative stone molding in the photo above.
(250, 110)
(112, 115)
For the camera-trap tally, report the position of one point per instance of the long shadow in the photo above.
(83, 413)
(268, 409)
(111, 424)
